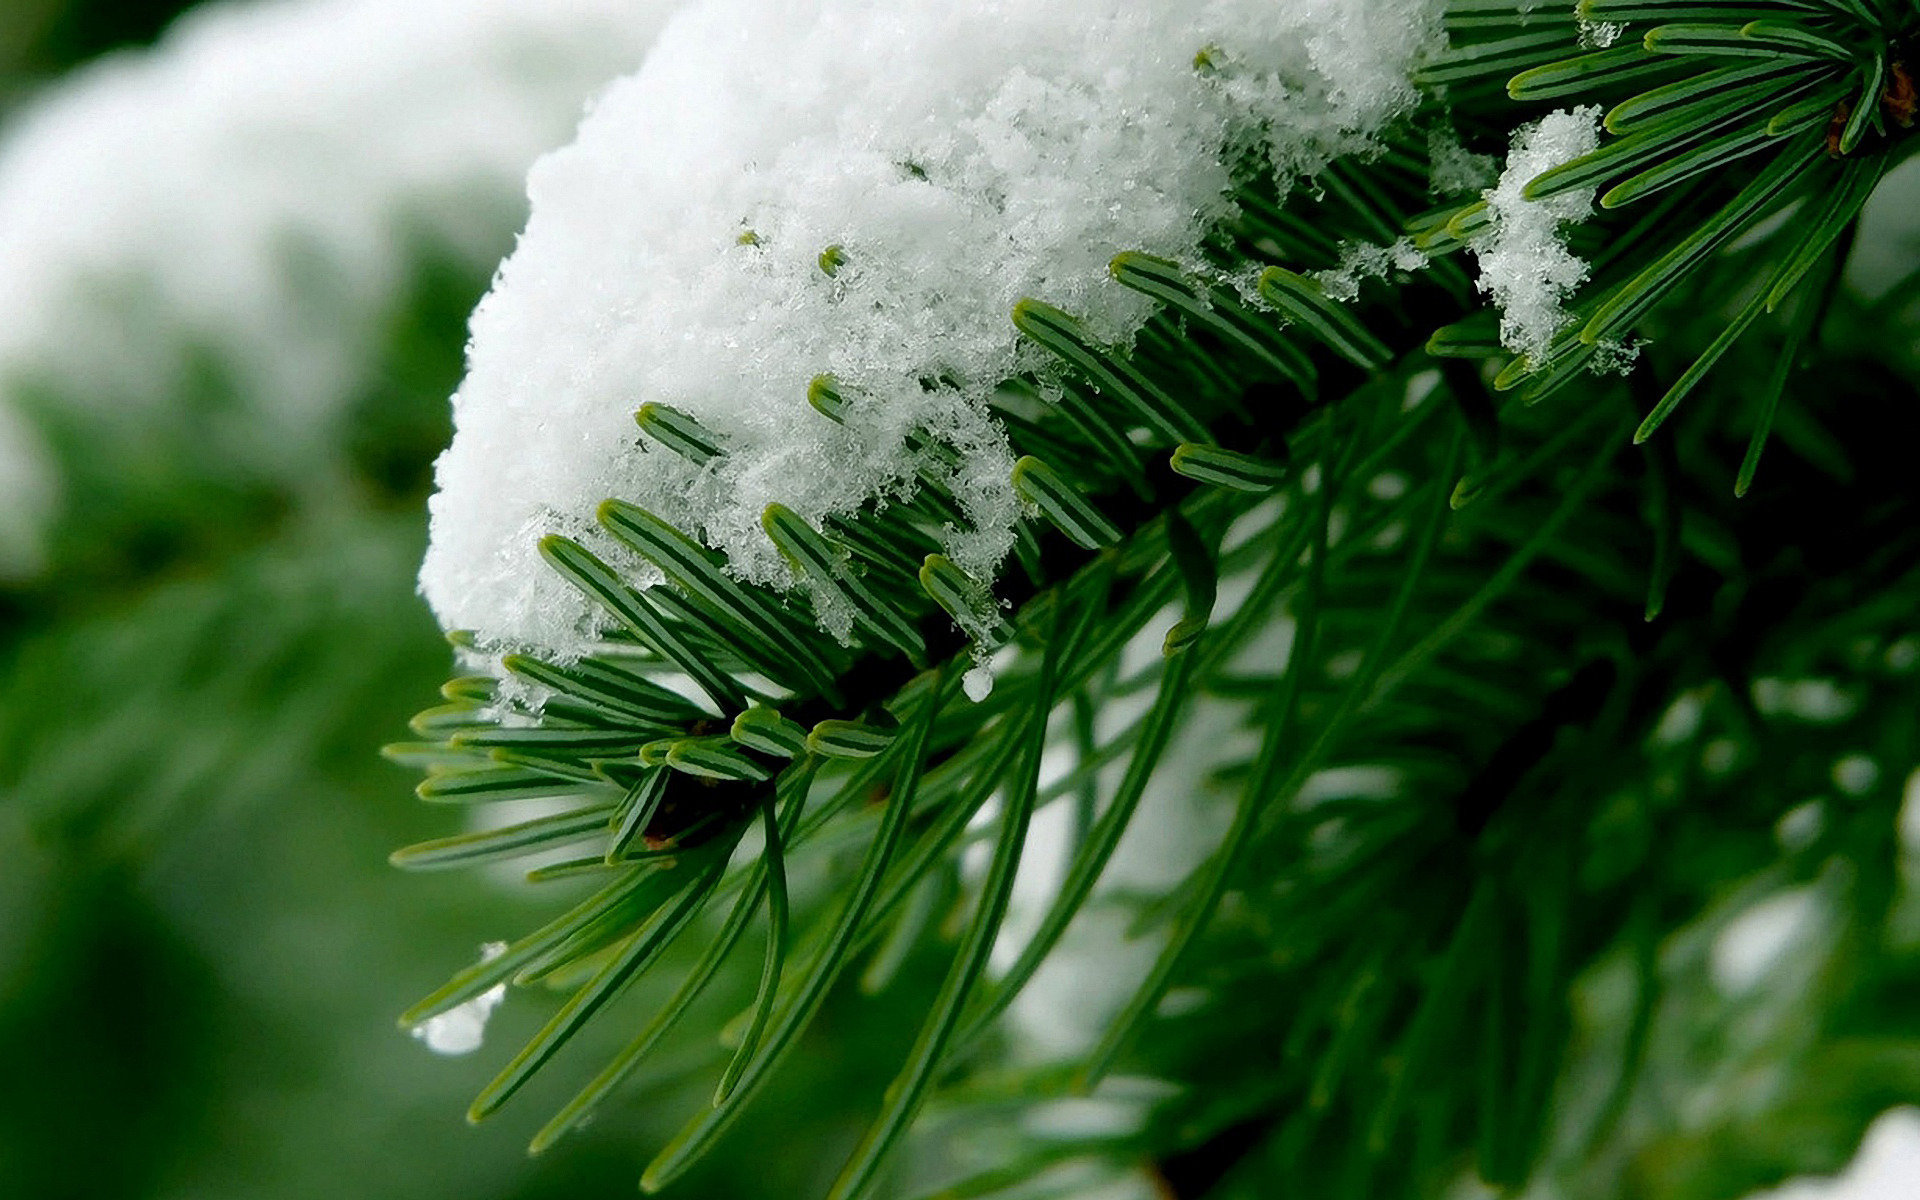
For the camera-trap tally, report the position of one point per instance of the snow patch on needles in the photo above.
(1360, 262)
(959, 157)
(249, 189)
(1525, 265)
(1455, 168)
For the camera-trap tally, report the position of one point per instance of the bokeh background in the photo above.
(208, 627)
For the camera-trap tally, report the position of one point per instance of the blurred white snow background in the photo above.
(246, 197)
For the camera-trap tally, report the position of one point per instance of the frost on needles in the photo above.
(952, 160)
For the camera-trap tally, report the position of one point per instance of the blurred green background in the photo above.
(202, 946)
(41, 38)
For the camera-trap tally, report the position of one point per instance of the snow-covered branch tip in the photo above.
(957, 159)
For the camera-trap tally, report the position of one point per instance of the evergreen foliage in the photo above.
(1598, 653)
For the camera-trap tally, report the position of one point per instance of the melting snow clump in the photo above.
(959, 157)
(1525, 266)
(250, 189)
(978, 684)
(461, 1029)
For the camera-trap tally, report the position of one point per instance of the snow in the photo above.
(1821, 701)
(1099, 961)
(1455, 168)
(1907, 823)
(1759, 939)
(1360, 262)
(1598, 35)
(1525, 265)
(1856, 774)
(251, 187)
(977, 683)
(1887, 1166)
(1888, 239)
(461, 1029)
(959, 157)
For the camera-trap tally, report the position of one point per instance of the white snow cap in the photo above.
(247, 188)
(961, 155)
(1524, 262)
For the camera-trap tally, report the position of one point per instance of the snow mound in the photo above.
(959, 156)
